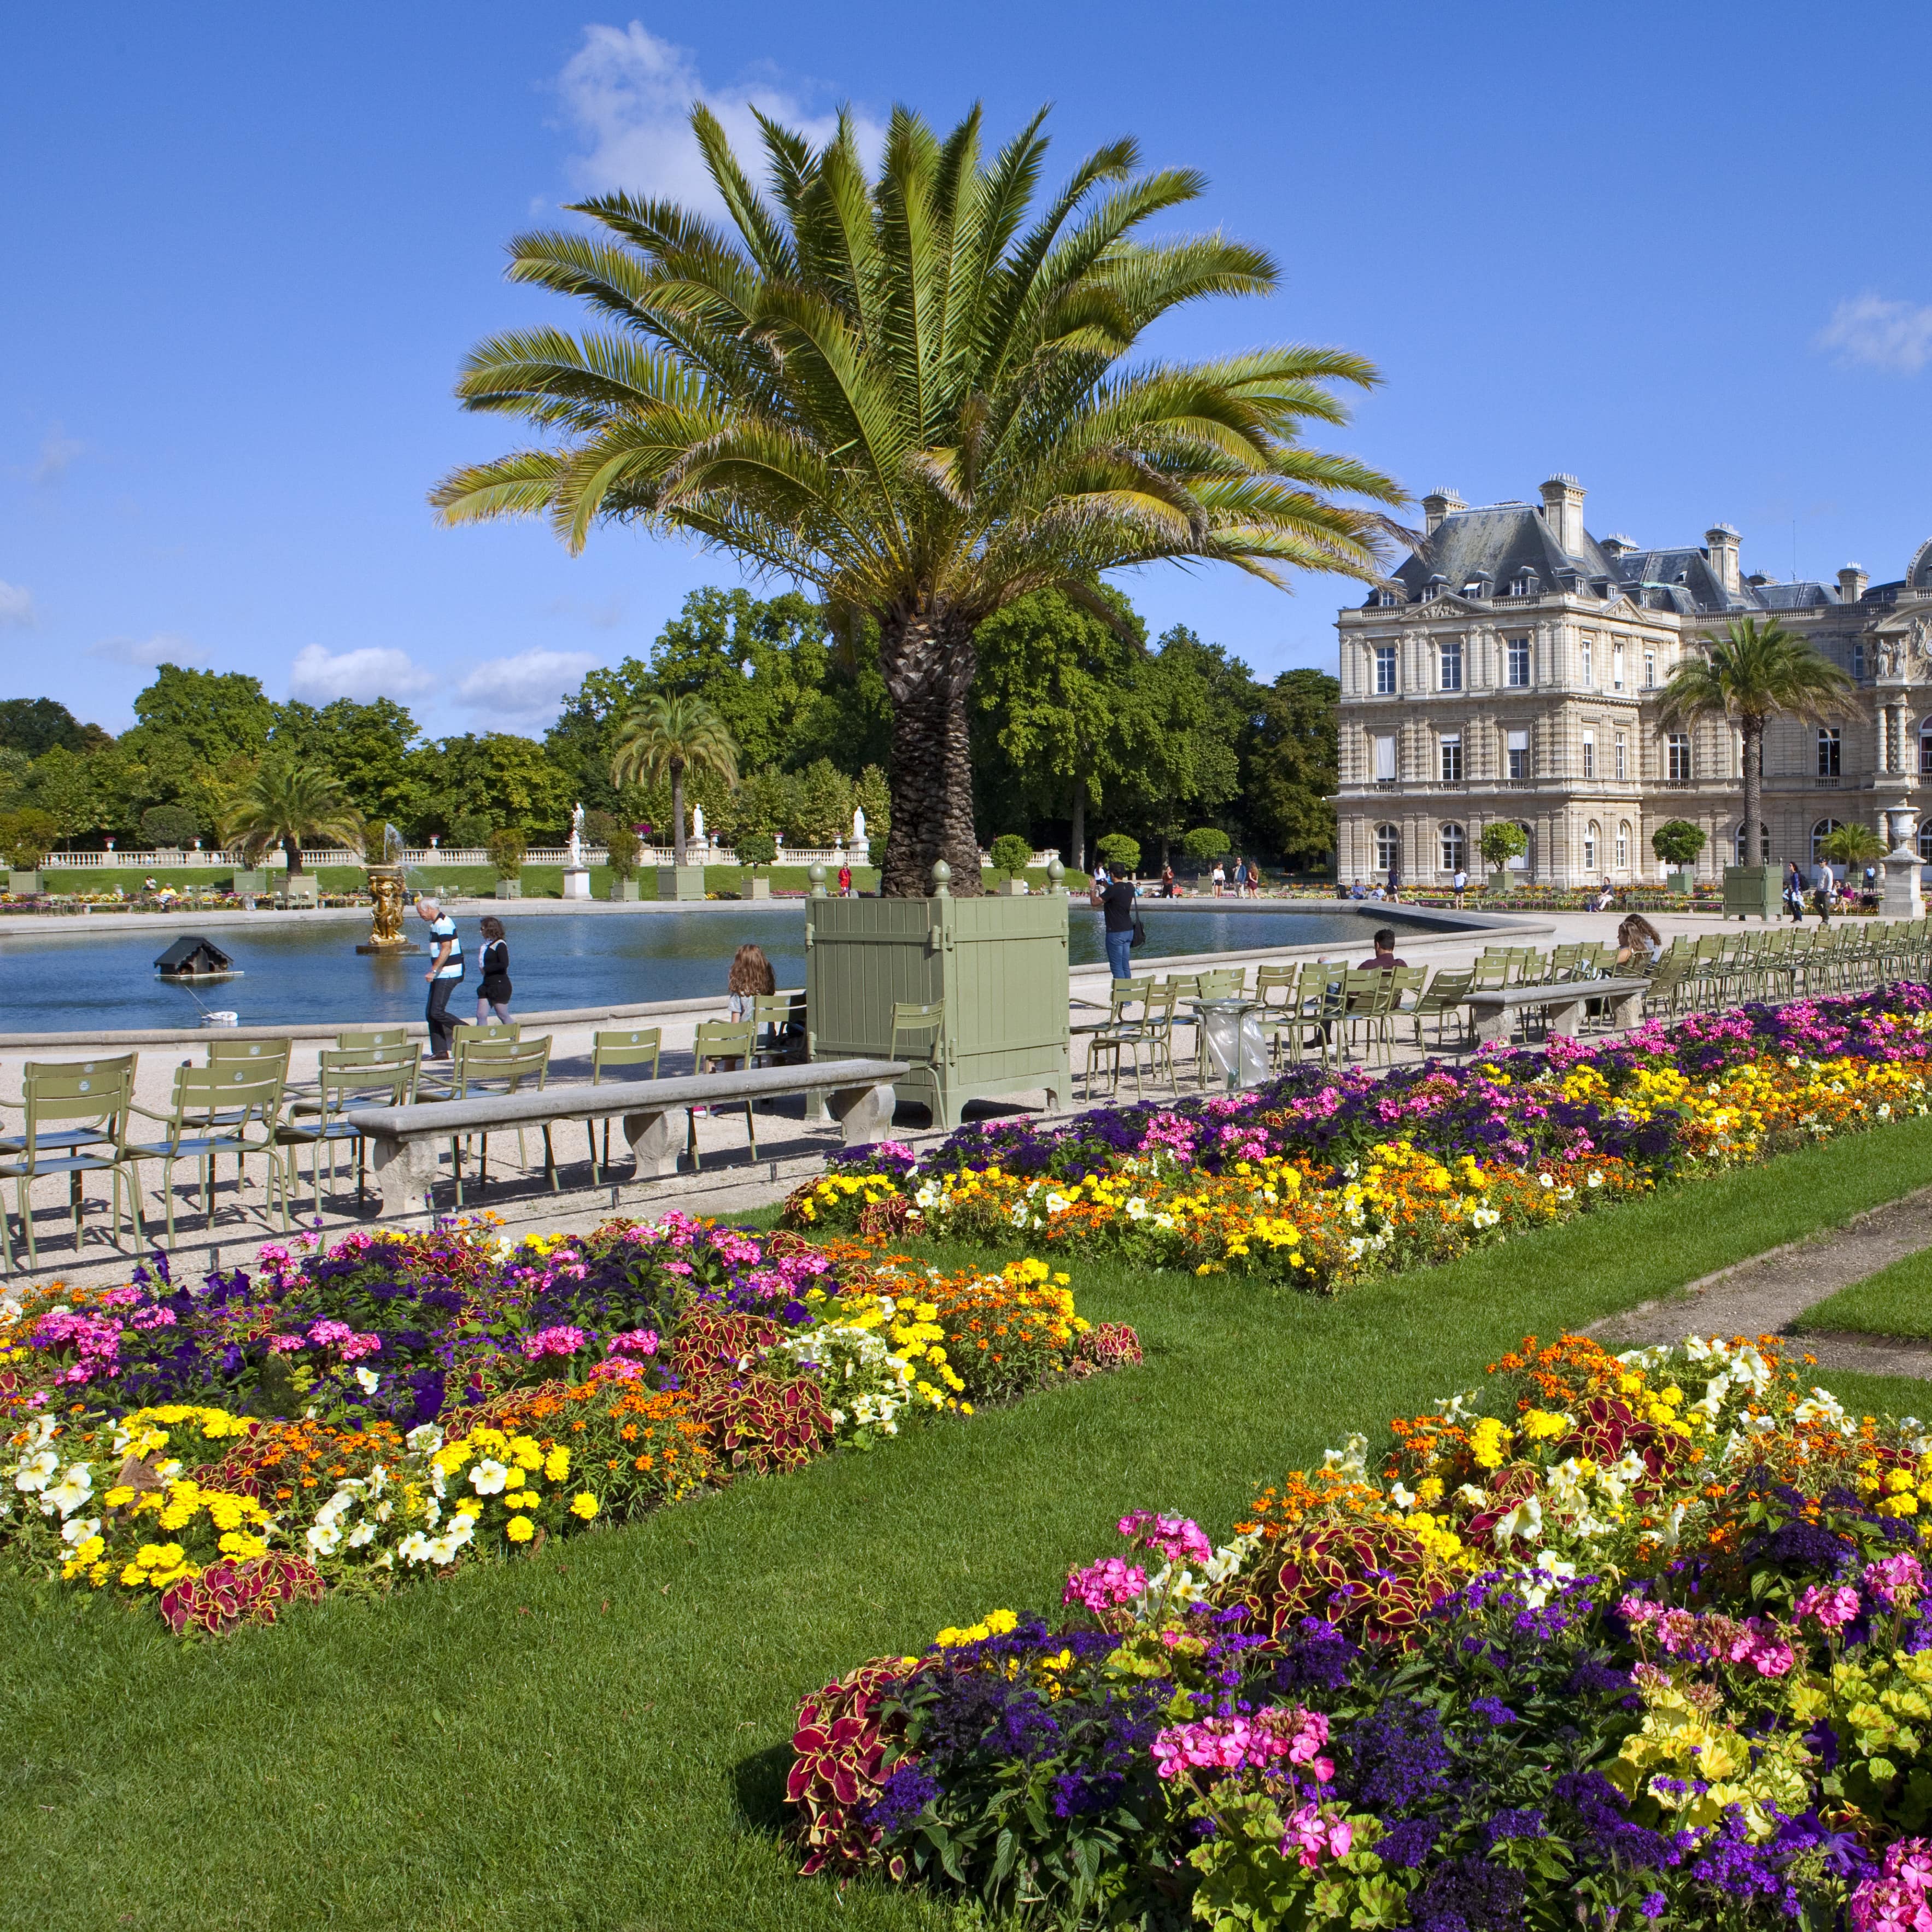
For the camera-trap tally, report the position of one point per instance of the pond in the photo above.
(311, 975)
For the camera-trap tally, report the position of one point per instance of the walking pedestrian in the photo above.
(845, 882)
(1220, 877)
(1794, 891)
(444, 975)
(493, 968)
(1116, 905)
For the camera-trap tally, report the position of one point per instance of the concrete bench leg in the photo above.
(405, 1171)
(1489, 1022)
(1568, 1017)
(656, 1140)
(1627, 1011)
(865, 1113)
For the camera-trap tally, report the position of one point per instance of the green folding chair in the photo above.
(74, 1122)
(612, 1048)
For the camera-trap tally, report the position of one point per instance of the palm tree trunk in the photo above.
(928, 661)
(677, 812)
(292, 849)
(1752, 732)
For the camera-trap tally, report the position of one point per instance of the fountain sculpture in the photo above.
(385, 892)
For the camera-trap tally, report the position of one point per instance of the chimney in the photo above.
(1438, 504)
(1852, 582)
(1563, 511)
(1722, 542)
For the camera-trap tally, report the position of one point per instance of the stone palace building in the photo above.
(1511, 668)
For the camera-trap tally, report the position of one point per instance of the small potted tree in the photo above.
(1677, 842)
(506, 850)
(620, 846)
(28, 836)
(1500, 843)
(1012, 855)
(756, 849)
(1205, 844)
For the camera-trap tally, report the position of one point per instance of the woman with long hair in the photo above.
(751, 979)
(1635, 935)
(494, 989)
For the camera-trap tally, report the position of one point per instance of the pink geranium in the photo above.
(561, 1339)
(1897, 1581)
(1899, 1898)
(1312, 1833)
(1178, 1538)
(1105, 1585)
(1833, 1607)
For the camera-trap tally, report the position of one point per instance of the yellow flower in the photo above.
(520, 1529)
(557, 1464)
(584, 1505)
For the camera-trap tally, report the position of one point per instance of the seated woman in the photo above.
(1637, 935)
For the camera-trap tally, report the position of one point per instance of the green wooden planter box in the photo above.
(1752, 892)
(998, 965)
(509, 889)
(680, 882)
(623, 889)
(1682, 882)
(246, 881)
(758, 885)
(23, 885)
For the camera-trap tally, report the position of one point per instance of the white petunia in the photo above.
(414, 1548)
(78, 1528)
(425, 1438)
(72, 1490)
(36, 1471)
(323, 1538)
(363, 1532)
(1524, 1521)
(488, 1477)
(368, 1378)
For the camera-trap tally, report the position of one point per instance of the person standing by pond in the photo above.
(1116, 905)
(493, 988)
(444, 975)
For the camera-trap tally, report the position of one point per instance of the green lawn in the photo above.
(596, 1738)
(1896, 1301)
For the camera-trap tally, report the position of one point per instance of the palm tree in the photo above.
(665, 737)
(285, 803)
(1751, 674)
(911, 395)
(1853, 844)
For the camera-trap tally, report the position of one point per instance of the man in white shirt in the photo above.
(1461, 883)
(444, 975)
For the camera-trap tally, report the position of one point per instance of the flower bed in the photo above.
(404, 1403)
(1614, 1641)
(1320, 1178)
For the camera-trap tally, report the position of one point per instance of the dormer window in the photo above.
(1477, 586)
(1434, 588)
(1525, 583)
(1386, 599)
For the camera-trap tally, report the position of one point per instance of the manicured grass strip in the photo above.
(596, 1737)
(1896, 1301)
(1877, 1395)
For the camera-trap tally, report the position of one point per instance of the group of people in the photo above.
(1824, 897)
(447, 967)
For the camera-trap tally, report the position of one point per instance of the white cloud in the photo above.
(631, 95)
(318, 677)
(17, 604)
(57, 454)
(1894, 336)
(525, 692)
(163, 647)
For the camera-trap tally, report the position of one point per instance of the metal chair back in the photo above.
(625, 1046)
(348, 1042)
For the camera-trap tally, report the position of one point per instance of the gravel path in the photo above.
(1765, 1294)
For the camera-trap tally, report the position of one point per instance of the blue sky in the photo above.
(1682, 252)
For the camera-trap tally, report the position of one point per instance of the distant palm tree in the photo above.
(664, 738)
(1751, 674)
(1853, 844)
(285, 803)
(913, 394)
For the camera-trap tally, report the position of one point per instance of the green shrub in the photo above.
(1013, 854)
(169, 825)
(756, 848)
(1503, 842)
(27, 836)
(1117, 849)
(1205, 842)
(1677, 842)
(506, 851)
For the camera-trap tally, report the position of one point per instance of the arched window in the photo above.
(1388, 847)
(1925, 749)
(1925, 843)
(1822, 831)
(1623, 845)
(1737, 844)
(1525, 861)
(1593, 835)
(1455, 847)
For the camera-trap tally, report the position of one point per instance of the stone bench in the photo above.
(1493, 1012)
(403, 1141)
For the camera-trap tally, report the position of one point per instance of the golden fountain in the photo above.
(385, 892)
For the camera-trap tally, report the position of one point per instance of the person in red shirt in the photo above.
(845, 882)
(1384, 960)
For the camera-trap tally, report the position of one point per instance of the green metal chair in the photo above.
(917, 1031)
(498, 1063)
(614, 1047)
(1120, 1030)
(348, 1042)
(1447, 993)
(733, 1040)
(84, 1070)
(347, 1078)
(233, 1108)
(74, 1122)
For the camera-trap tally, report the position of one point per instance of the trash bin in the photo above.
(1237, 1049)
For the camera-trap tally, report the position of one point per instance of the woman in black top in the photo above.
(493, 995)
